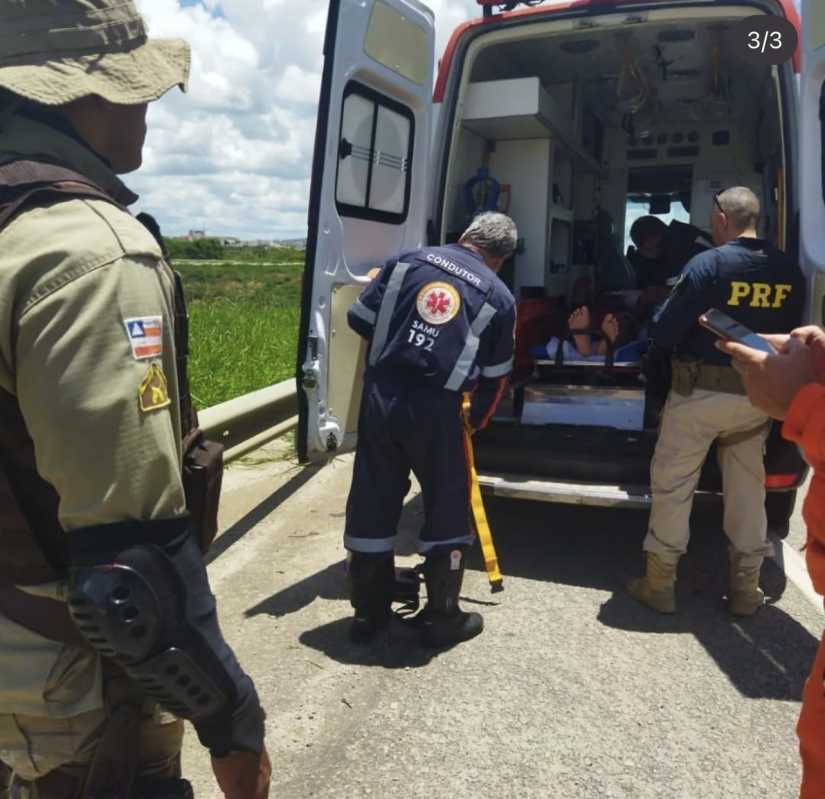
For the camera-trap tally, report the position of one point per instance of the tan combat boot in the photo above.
(745, 596)
(657, 589)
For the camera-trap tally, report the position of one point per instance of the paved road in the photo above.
(572, 691)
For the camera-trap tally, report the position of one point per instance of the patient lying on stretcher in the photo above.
(618, 334)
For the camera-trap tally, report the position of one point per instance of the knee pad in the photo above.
(148, 607)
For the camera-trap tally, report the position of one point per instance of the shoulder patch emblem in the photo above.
(438, 303)
(153, 393)
(145, 336)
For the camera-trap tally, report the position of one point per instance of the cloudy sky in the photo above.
(233, 155)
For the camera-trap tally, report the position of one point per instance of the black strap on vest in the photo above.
(188, 415)
(24, 184)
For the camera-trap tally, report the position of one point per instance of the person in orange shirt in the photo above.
(791, 386)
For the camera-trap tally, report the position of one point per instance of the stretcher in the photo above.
(556, 354)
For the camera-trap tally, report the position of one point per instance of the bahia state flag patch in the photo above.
(145, 335)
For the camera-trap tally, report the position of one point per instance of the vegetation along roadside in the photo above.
(244, 317)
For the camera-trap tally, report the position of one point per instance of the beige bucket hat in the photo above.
(56, 51)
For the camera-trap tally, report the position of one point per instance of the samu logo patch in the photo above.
(438, 303)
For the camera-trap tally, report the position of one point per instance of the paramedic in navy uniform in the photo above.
(439, 323)
(763, 289)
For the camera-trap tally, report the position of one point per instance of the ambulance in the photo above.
(574, 117)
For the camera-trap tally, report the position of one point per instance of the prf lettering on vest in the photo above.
(759, 295)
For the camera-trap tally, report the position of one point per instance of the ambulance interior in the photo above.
(578, 130)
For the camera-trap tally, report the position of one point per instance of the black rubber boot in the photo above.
(371, 583)
(443, 623)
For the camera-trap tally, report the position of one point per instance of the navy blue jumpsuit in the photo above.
(440, 323)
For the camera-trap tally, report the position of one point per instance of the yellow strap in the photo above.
(485, 536)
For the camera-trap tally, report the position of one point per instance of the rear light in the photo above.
(781, 480)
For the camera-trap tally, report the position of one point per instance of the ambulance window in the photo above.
(640, 206)
(663, 192)
(374, 157)
(398, 43)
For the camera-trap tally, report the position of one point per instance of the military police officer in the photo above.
(440, 323)
(107, 621)
(762, 288)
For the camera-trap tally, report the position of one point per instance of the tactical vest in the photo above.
(33, 545)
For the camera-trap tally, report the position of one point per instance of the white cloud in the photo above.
(234, 155)
(299, 86)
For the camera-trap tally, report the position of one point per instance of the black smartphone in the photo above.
(720, 324)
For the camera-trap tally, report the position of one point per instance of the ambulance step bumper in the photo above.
(517, 486)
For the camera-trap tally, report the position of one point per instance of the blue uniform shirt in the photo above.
(748, 279)
(440, 315)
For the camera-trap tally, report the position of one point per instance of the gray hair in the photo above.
(494, 233)
(741, 206)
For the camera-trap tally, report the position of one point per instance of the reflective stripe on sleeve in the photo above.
(362, 312)
(386, 311)
(468, 355)
(369, 546)
(498, 369)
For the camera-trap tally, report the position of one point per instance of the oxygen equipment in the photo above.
(481, 193)
(484, 193)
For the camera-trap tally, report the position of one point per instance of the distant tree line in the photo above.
(213, 250)
(197, 250)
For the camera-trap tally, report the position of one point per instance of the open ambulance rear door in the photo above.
(812, 154)
(368, 196)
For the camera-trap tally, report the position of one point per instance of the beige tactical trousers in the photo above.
(52, 707)
(48, 757)
(689, 427)
(50, 722)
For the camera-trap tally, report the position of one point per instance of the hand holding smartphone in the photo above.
(721, 325)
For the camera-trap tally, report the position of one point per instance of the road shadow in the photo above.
(601, 548)
(398, 649)
(329, 583)
(237, 531)
(768, 656)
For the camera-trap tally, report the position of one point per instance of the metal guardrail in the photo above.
(248, 422)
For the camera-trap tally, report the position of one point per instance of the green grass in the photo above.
(243, 327)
